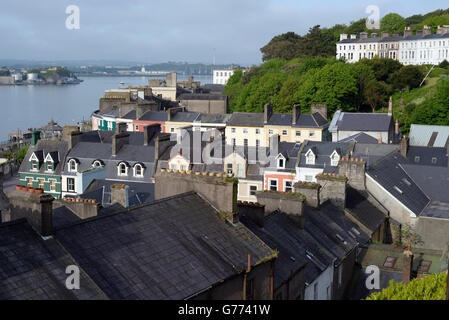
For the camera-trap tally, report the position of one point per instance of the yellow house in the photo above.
(255, 129)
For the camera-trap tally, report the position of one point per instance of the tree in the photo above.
(392, 22)
(382, 68)
(356, 27)
(376, 94)
(285, 46)
(444, 64)
(432, 287)
(318, 43)
(364, 76)
(408, 77)
(22, 153)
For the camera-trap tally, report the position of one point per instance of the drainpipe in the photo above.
(272, 280)
(245, 276)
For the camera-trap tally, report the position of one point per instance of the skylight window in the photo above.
(390, 262)
(406, 182)
(398, 190)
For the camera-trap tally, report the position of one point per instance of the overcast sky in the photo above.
(172, 30)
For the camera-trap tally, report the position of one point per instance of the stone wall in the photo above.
(333, 188)
(288, 203)
(220, 191)
(253, 211)
(120, 194)
(311, 191)
(206, 106)
(83, 208)
(37, 208)
(354, 170)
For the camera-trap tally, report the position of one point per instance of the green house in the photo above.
(43, 165)
(107, 125)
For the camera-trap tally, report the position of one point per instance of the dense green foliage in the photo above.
(22, 153)
(363, 86)
(432, 287)
(320, 42)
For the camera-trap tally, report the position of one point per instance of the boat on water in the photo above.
(122, 83)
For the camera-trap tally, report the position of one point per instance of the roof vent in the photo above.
(293, 259)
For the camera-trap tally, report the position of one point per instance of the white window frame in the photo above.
(119, 171)
(68, 184)
(283, 163)
(245, 130)
(97, 162)
(285, 185)
(284, 132)
(310, 160)
(70, 165)
(334, 163)
(26, 181)
(135, 170)
(232, 130)
(269, 184)
(50, 180)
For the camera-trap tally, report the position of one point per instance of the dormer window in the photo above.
(335, 159)
(97, 164)
(138, 170)
(34, 166)
(122, 169)
(73, 165)
(310, 157)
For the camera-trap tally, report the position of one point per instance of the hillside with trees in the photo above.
(303, 69)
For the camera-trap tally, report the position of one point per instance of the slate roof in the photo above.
(434, 181)
(289, 151)
(250, 119)
(171, 249)
(364, 211)
(361, 137)
(389, 173)
(322, 151)
(345, 121)
(317, 243)
(138, 193)
(421, 135)
(373, 152)
(185, 117)
(427, 155)
(57, 149)
(34, 269)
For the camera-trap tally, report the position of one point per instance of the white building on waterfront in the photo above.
(221, 76)
(410, 49)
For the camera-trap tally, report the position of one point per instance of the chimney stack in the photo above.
(319, 108)
(390, 107)
(407, 264)
(149, 132)
(73, 138)
(296, 113)
(290, 204)
(363, 35)
(121, 127)
(419, 33)
(408, 32)
(385, 34)
(268, 112)
(118, 141)
(374, 35)
(396, 128)
(404, 146)
(343, 37)
(35, 206)
(427, 31)
(120, 195)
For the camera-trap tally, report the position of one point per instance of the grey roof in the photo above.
(289, 151)
(138, 193)
(185, 117)
(373, 152)
(319, 242)
(157, 116)
(421, 135)
(389, 173)
(57, 150)
(323, 151)
(213, 87)
(361, 137)
(34, 269)
(363, 210)
(427, 155)
(344, 121)
(87, 152)
(250, 119)
(433, 181)
(171, 249)
(202, 96)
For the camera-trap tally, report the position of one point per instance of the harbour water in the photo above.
(31, 106)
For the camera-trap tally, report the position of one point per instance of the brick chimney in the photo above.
(120, 194)
(149, 132)
(268, 112)
(296, 113)
(363, 35)
(374, 35)
(385, 34)
(35, 206)
(419, 33)
(343, 37)
(333, 188)
(118, 141)
(396, 128)
(407, 264)
(311, 191)
(404, 146)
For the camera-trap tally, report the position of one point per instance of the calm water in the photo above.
(34, 106)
